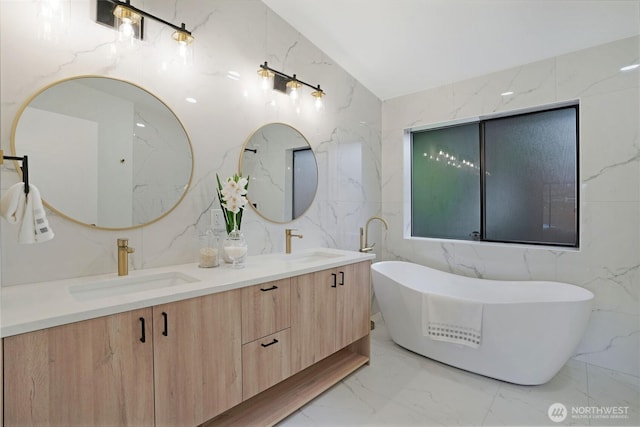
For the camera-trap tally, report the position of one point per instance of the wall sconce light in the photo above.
(318, 94)
(265, 75)
(128, 23)
(128, 20)
(291, 84)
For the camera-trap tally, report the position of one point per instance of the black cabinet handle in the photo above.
(275, 341)
(334, 279)
(165, 332)
(269, 289)
(342, 278)
(143, 337)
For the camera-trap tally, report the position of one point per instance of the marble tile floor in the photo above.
(401, 388)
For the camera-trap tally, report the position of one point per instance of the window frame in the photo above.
(481, 120)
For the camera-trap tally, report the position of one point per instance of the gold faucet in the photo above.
(123, 256)
(288, 235)
(365, 247)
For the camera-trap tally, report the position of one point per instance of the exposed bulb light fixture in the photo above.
(292, 86)
(182, 36)
(128, 21)
(318, 94)
(184, 39)
(265, 76)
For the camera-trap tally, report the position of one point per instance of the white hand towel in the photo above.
(27, 210)
(13, 203)
(34, 227)
(452, 320)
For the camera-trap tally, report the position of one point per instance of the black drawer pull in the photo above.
(275, 341)
(342, 278)
(269, 289)
(165, 317)
(334, 280)
(143, 338)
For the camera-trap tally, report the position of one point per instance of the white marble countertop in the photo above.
(35, 306)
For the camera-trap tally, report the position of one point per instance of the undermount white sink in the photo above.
(314, 256)
(128, 284)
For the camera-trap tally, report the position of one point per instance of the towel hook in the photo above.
(24, 168)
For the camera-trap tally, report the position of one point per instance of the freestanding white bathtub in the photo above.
(529, 329)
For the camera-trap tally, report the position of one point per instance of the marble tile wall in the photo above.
(608, 261)
(231, 35)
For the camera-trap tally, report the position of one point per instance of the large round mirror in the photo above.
(282, 171)
(104, 152)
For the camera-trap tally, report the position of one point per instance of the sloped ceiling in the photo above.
(396, 47)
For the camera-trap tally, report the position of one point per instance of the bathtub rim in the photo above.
(578, 293)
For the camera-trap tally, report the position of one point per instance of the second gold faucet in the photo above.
(123, 256)
(288, 235)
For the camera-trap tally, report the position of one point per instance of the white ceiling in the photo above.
(396, 47)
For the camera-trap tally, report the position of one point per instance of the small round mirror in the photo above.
(282, 172)
(103, 152)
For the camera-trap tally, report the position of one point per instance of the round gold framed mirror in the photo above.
(282, 171)
(104, 153)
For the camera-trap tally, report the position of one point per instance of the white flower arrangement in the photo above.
(232, 197)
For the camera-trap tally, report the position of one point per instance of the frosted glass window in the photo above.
(446, 182)
(503, 179)
(531, 170)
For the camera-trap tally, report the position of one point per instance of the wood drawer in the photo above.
(265, 309)
(265, 362)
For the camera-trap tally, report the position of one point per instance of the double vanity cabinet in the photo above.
(238, 354)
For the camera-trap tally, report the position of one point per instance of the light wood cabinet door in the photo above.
(197, 358)
(313, 318)
(265, 362)
(330, 309)
(354, 304)
(91, 373)
(265, 309)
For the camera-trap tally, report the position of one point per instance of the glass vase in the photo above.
(235, 248)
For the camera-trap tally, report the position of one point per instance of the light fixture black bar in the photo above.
(265, 66)
(127, 4)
